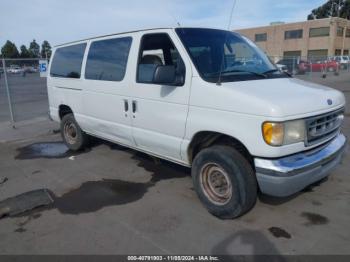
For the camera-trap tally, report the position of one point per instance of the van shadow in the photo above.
(253, 240)
(276, 201)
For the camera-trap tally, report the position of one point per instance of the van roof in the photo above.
(128, 32)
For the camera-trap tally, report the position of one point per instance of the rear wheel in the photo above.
(224, 181)
(72, 135)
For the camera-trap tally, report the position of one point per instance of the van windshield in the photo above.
(238, 58)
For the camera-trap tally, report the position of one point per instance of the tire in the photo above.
(228, 166)
(71, 133)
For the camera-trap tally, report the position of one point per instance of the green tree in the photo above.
(24, 52)
(46, 49)
(9, 50)
(34, 49)
(333, 8)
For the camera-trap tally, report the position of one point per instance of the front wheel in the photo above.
(72, 135)
(224, 181)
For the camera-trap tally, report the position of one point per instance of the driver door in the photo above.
(159, 112)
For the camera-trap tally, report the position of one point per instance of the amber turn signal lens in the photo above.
(273, 133)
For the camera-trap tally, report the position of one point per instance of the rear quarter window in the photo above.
(67, 61)
(107, 59)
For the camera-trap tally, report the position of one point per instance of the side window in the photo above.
(158, 50)
(67, 61)
(107, 59)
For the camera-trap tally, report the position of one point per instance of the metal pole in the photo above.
(8, 93)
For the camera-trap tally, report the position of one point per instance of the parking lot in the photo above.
(28, 97)
(113, 200)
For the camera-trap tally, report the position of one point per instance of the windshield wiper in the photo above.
(276, 70)
(271, 71)
(237, 71)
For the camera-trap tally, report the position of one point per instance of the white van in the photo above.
(203, 98)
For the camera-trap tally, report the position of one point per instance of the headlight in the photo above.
(284, 133)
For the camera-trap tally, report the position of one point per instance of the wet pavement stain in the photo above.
(29, 218)
(314, 219)
(3, 180)
(279, 233)
(92, 196)
(316, 203)
(49, 150)
(20, 230)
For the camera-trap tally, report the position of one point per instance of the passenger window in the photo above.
(107, 59)
(158, 50)
(67, 61)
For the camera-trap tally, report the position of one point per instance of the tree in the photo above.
(34, 49)
(24, 52)
(9, 50)
(46, 49)
(333, 8)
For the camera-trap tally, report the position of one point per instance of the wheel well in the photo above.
(206, 139)
(64, 110)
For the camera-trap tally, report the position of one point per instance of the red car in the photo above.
(323, 65)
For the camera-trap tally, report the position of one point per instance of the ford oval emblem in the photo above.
(330, 102)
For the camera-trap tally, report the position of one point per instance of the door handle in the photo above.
(126, 105)
(134, 106)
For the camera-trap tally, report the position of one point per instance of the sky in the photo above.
(60, 21)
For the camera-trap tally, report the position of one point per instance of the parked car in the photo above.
(240, 127)
(282, 68)
(30, 70)
(322, 65)
(15, 70)
(294, 65)
(343, 61)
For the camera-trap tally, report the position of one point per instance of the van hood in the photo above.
(283, 97)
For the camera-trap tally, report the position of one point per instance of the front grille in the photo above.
(323, 127)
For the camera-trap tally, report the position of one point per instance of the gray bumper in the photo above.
(288, 175)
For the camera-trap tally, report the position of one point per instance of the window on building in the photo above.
(317, 55)
(107, 59)
(67, 61)
(318, 32)
(340, 31)
(292, 54)
(293, 34)
(347, 34)
(346, 52)
(337, 52)
(261, 37)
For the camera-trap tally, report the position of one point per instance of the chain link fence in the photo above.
(23, 93)
(314, 66)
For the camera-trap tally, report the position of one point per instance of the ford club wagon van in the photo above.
(207, 99)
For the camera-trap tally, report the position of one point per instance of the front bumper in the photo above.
(288, 175)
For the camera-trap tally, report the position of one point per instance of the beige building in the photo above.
(321, 37)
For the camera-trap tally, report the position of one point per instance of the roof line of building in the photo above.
(298, 22)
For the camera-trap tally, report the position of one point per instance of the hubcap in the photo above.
(216, 184)
(70, 132)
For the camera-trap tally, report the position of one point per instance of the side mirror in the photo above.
(165, 75)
